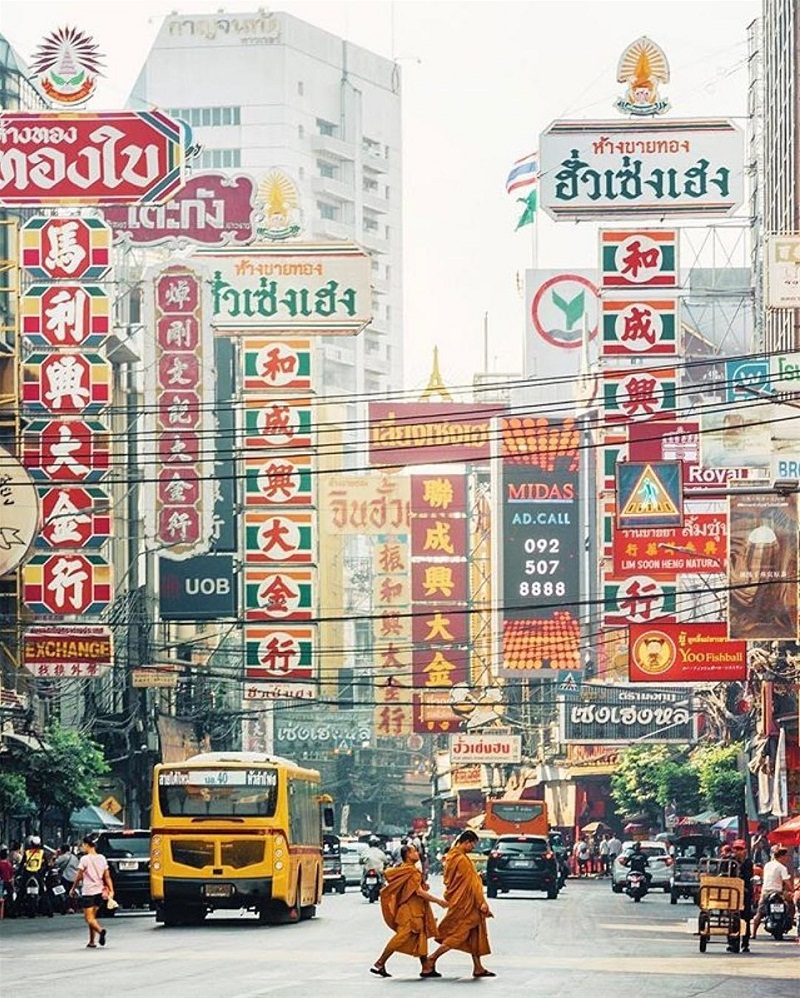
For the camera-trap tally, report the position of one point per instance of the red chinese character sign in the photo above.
(639, 326)
(54, 249)
(64, 315)
(74, 517)
(66, 451)
(630, 260)
(281, 660)
(278, 594)
(112, 157)
(639, 395)
(66, 584)
(65, 383)
(285, 480)
(272, 364)
(179, 403)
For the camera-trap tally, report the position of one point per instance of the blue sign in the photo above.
(747, 379)
(649, 494)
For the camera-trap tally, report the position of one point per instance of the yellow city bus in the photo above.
(234, 830)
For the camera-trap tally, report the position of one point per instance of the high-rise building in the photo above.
(775, 120)
(264, 91)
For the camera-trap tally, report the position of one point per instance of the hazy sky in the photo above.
(481, 80)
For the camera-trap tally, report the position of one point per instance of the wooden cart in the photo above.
(721, 903)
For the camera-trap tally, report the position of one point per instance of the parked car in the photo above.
(351, 853)
(688, 850)
(479, 855)
(333, 878)
(522, 863)
(128, 855)
(659, 866)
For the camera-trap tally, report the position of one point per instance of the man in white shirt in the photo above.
(614, 849)
(776, 879)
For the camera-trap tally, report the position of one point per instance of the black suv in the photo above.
(128, 855)
(522, 863)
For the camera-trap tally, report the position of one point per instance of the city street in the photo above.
(587, 943)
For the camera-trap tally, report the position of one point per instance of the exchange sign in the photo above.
(68, 651)
(77, 158)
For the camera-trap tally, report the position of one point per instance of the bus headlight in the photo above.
(279, 865)
(279, 853)
(156, 840)
(280, 842)
(156, 865)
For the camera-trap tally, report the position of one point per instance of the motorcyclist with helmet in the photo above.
(373, 858)
(33, 864)
(637, 861)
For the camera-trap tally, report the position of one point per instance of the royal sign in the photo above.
(686, 653)
(324, 288)
(211, 210)
(485, 749)
(55, 249)
(66, 584)
(666, 169)
(58, 158)
(64, 315)
(68, 652)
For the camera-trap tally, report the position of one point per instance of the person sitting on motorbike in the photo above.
(33, 858)
(777, 879)
(374, 858)
(637, 861)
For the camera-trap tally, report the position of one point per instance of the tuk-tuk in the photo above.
(687, 851)
(333, 879)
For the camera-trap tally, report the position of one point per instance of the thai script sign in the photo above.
(212, 209)
(65, 248)
(626, 714)
(321, 288)
(300, 730)
(541, 543)
(686, 653)
(66, 584)
(782, 258)
(254, 29)
(19, 512)
(64, 315)
(366, 504)
(409, 433)
(639, 258)
(68, 651)
(636, 327)
(79, 158)
(485, 749)
(700, 545)
(763, 567)
(665, 168)
(179, 404)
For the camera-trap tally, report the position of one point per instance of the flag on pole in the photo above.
(523, 173)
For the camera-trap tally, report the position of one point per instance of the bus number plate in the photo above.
(219, 890)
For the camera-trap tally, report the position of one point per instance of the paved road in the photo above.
(589, 943)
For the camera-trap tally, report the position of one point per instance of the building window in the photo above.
(328, 211)
(219, 159)
(370, 185)
(301, 173)
(327, 169)
(208, 117)
(370, 225)
(325, 127)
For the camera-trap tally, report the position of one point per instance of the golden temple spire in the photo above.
(436, 386)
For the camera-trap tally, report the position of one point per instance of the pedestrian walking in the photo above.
(406, 908)
(603, 850)
(6, 882)
(581, 852)
(745, 872)
(464, 925)
(94, 880)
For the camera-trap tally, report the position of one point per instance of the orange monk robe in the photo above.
(407, 914)
(464, 926)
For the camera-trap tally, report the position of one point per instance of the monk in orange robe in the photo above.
(464, 925)
(406, 908)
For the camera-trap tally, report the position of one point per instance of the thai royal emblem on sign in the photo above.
(642, 66)
(68, 64)
(281, 201)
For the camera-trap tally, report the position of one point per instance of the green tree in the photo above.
(637, 784)
(679, 785)
(64, 773)
(721, 783)
(14, 798)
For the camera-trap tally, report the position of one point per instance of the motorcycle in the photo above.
(29, 895)
(636, 885)
(777, 920)
(371, 883)
(56, 893)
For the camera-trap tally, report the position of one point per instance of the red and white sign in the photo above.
(635, 327)
(74, 517)
(66, 249)
(180, 406)
(68, 651)
(67, 583)
(284, 536)
(66, 450)
(80, 158)
(486, 748)
(64, 315)
(685, 653)
(65, 383)
(699, 546)
(643, 258)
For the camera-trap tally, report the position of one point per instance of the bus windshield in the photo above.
(218, 793)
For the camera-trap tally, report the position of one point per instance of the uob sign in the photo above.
(200, 588)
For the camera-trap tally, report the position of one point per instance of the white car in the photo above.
(659, 866)
(351, 862)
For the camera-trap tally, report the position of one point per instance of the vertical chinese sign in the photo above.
(541, 547)
(440, 597)
(280, 525)
(179, 417)
(66, 387)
